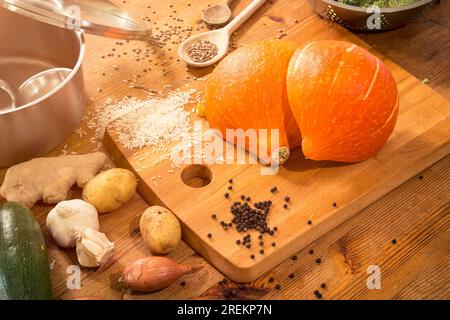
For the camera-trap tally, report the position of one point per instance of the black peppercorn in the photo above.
(274, 189)
(311, 251)
(291, 276)
(248, 246)
(317, 294)
(294, 258)
(261, 243)
(271, 279)
(287, 198)
(323, 285)
(182, 283)
(227, 195)
(394, 241)
(334, 204)
(238, 241)
(285, 206)
(213, 216)
(318, 260)
(309, 222)
(273, 244)
(209, 235)
(278, 286)
(230, 181)
(246, 217)
(252, 256)
(261, 251)
(230, 187)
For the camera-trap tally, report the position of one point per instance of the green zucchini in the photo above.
(24, 268)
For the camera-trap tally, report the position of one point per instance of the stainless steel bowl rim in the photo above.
(80, 36)
(382, 10)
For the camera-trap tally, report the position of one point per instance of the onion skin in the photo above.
(153, 273)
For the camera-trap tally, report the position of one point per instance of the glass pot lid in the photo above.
(99, 17)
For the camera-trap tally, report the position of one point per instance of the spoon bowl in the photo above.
(40, 84)
(217, 15)
(220, 37)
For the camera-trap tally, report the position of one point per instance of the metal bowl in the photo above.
(28, 47)
(362, 19)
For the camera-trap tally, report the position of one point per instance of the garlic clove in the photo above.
(93, 248)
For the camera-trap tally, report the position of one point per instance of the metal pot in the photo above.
(35, 40)
(27, 47)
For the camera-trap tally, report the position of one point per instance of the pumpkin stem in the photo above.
(281, 155)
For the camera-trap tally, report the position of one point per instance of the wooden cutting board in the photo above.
(326, 193)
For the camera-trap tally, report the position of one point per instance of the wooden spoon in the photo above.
(218, 15)
(220, 37)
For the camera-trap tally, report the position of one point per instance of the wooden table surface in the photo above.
(416, 214)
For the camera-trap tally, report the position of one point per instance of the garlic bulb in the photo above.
(68, 215)
(93, 247)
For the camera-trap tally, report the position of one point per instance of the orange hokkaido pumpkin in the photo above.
(344, 99)
(247, 90)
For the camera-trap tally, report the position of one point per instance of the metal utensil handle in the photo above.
(8, 89)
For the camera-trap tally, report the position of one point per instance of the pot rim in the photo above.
(75, 69)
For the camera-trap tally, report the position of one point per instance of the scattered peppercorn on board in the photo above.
(321, 194)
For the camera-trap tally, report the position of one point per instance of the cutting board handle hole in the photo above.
(196, 175)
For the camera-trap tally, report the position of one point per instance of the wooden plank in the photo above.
(416, 214)
(420, 139)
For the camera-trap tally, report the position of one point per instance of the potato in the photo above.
(110, 189)
(160, 229)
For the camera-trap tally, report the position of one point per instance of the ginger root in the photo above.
(49, 179)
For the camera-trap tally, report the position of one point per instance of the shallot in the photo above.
(153, 273)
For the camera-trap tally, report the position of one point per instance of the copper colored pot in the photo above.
(28, 47)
